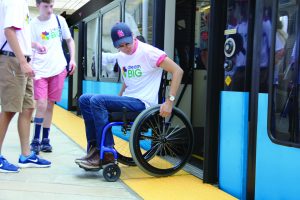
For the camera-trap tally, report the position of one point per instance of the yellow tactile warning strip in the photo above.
(179, 186)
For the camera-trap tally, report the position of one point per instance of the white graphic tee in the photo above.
(47, 33)
(141, 73)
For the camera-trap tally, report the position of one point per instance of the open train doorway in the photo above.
(191, 54)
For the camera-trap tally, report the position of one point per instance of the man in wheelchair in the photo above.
(141, 66)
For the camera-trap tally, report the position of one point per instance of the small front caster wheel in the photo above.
(111, 172)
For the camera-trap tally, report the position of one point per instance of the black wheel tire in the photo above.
(125, 160)
(134, 147)
(111, 172)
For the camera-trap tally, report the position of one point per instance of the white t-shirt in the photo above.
(141, 73)
(47, 33)
(15, 13)
(280, 42)
(265, 43)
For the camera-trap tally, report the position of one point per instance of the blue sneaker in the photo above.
(33, 161)
(45, 145)
(6, 167)
(35, 146)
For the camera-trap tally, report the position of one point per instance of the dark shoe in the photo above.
(90, 153)
(45, 145)
(92, 163)
(35, 146)
(108, 158)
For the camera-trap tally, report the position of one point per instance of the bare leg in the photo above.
(41, 108)
(24, 130)
(48, 115)
(5, 118)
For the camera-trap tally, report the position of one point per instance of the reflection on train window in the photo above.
(285, 98)
(92, 28)
(138, 16)
(184, 38)
(108, 50)
(266, 40)
(201, 35)
(235, 47)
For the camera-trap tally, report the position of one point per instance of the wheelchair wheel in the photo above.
(123, 150)
(167, 141)
(124, 155)
(126, 160)
(111, 172)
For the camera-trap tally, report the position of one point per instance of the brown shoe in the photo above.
(108, 158)
(92, 163)
(90, 153)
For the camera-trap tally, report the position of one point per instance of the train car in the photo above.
(240, 87)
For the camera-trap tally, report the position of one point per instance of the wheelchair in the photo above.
(158, 146)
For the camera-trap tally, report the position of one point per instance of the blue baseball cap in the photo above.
(121, 33)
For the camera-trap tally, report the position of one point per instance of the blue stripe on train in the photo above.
(233, 143)
(90, 87)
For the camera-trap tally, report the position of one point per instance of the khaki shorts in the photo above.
(16, 92)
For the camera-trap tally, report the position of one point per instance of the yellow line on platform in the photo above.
(179, 186)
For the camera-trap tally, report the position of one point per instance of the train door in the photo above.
(259, 115)
(237, 66)
(278, 137)
(199, 89)
(188, 47)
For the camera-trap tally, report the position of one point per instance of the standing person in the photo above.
(141, 66)
(50, 68)
(16, 74)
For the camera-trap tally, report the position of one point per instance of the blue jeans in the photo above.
(95, 109)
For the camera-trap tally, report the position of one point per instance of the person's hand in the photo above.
(166, 108)
(26, 69)
(40, 48)
(72, 67)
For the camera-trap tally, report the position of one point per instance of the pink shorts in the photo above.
(49, 88)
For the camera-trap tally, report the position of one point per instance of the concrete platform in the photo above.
(63, 180)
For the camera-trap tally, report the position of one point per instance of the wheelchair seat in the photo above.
(119, 116)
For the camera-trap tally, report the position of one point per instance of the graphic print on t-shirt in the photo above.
(132, 71)
(53, 33)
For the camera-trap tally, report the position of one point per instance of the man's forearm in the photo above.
(71, 46)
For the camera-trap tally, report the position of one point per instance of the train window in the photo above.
(91, 69)
(284, 120)
(107, 70)
(138, 15)
(201, 35)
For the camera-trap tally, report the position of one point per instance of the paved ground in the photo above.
(64, 180)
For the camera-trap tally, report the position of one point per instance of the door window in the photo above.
(284, 118)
